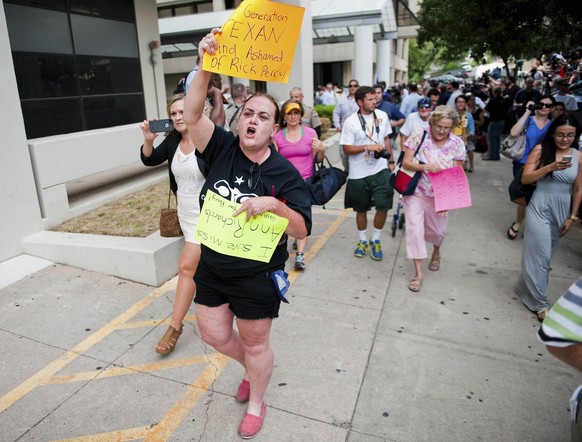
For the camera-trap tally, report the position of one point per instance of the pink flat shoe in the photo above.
(251, 424)
(244, 391)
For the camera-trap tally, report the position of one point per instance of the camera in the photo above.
(382, 154)
(533, 107)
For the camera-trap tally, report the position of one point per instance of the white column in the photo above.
(218, 5)
(302, 71)
(383, 61)
(364, 55)
(20, 210)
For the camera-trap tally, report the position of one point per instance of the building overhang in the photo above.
(333, 21)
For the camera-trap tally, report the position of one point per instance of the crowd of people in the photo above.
(260, 153)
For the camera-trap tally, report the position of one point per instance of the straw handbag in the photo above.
(169, 222)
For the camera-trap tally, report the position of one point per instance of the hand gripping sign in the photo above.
(257, 42)
(451, 189)
(235, 236)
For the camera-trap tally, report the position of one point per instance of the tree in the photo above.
(420, 59)
(520, 29)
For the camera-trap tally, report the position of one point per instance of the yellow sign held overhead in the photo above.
(257, 42)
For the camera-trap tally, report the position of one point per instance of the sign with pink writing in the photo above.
(451, 189)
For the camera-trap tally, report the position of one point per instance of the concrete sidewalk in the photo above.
(359, 357)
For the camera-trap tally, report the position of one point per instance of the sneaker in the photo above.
(300, 261)
(362, 249)
(376, 252)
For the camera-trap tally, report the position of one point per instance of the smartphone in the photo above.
(161, 126)
(567, 158)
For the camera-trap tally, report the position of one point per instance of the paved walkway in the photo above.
(359, 358)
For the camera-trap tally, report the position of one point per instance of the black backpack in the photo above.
(181, 86)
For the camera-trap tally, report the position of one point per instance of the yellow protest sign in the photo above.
(257, 42)
(234, 236)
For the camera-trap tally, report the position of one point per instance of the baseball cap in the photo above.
(424, 103)
(292, 106)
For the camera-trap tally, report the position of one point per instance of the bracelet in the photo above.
(574, 218)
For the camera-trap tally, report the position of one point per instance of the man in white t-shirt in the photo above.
(365, 140)
(416, 120)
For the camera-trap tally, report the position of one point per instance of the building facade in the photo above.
(78, 77)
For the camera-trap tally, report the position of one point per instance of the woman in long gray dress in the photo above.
(557, 168)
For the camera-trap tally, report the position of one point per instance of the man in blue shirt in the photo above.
(396, 117)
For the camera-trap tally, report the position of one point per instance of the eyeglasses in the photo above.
(442, 128)
(546, 105)
(353, 85)
(565, 136)
(252, 183)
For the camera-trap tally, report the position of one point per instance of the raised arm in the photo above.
(200, 127)
(518, 127)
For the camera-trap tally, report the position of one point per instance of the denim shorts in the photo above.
(248, 297)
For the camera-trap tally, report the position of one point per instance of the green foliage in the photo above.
(513, 28)
(324, 110)
(421, 59)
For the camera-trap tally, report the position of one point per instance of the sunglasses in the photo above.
(353, 85)
(546, 105)
(251, 182)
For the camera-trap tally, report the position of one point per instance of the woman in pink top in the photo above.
(300, 145)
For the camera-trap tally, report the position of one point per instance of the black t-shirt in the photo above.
(228, 176)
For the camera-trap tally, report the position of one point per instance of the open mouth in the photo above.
(251, 131)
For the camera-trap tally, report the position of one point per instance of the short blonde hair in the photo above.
(442, 112)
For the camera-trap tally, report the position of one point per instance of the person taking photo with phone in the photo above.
(186, 180)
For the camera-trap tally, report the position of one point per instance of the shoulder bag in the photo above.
(325, 182)
(403, 181)
(169, 222)
(514, 147)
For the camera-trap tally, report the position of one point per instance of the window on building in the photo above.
(404, 15)
(77, 64)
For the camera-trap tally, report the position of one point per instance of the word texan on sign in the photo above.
(250, 43)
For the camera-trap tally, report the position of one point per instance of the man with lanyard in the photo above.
(310, 117)
(365, 140)
(239, 95)
(395, 116)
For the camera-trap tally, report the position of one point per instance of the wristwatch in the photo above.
(574, 218)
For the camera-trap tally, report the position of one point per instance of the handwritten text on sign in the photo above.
(257, 42)
(234, 236)
(451, 189)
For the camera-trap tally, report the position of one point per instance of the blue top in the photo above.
(533, 136)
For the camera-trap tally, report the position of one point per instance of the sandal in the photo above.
(168, 341)
(542, 314)
(435, 263)
(415, 284)
(512, 233)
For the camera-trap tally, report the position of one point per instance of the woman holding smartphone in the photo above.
(556, 167)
